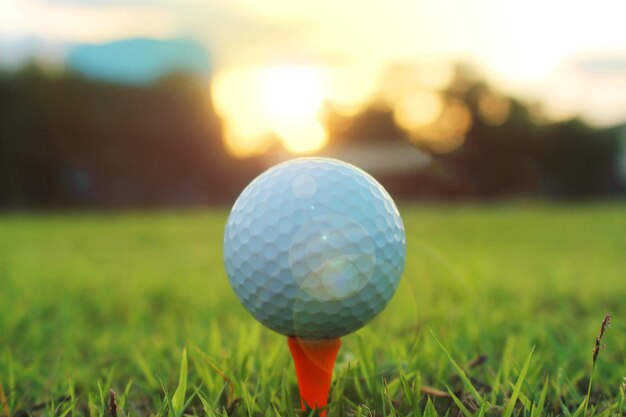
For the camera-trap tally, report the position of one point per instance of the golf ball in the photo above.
(314, 248)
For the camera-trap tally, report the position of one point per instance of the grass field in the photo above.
(90, 303)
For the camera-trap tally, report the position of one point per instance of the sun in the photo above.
(284, 101)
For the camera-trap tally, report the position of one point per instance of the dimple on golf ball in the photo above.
(314, 248)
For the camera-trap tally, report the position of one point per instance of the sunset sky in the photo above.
(571, 56)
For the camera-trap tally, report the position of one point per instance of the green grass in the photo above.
(90, 303)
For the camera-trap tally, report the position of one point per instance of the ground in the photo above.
(94, 302)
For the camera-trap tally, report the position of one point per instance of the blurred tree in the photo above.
(67, 141)
(579, 161)
(503, 153)
(374, 124)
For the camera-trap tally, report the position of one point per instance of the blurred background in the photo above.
(168, 103)
(115, 114)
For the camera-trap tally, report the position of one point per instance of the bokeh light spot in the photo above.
(448, 132)
(494, 109)
(418, 109)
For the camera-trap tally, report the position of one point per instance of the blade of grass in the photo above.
(287, 404)
(565, 410)
(607, 412)
(429, 410)
(495, 386)
(482, 410)
(523, 399)
(508, 411)
(538, 409)
(167, 403)
(582, 408)
(408, 393)
(213, 365)
(178, 399)
(458, 403)
(63, 413)
(191, 398)
(388, 400)
(459, 370)
(206, 405)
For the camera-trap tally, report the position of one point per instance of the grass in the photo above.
(497, 315)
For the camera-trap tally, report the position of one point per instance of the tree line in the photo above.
(70, 142)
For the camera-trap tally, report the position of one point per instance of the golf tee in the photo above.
(314, 361)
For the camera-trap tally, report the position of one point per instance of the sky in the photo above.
(569, 55)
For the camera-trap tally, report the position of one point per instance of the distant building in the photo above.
(378, 158)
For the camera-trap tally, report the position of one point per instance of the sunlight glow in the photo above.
(492, 35)
(447, 133)
(284, 102)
